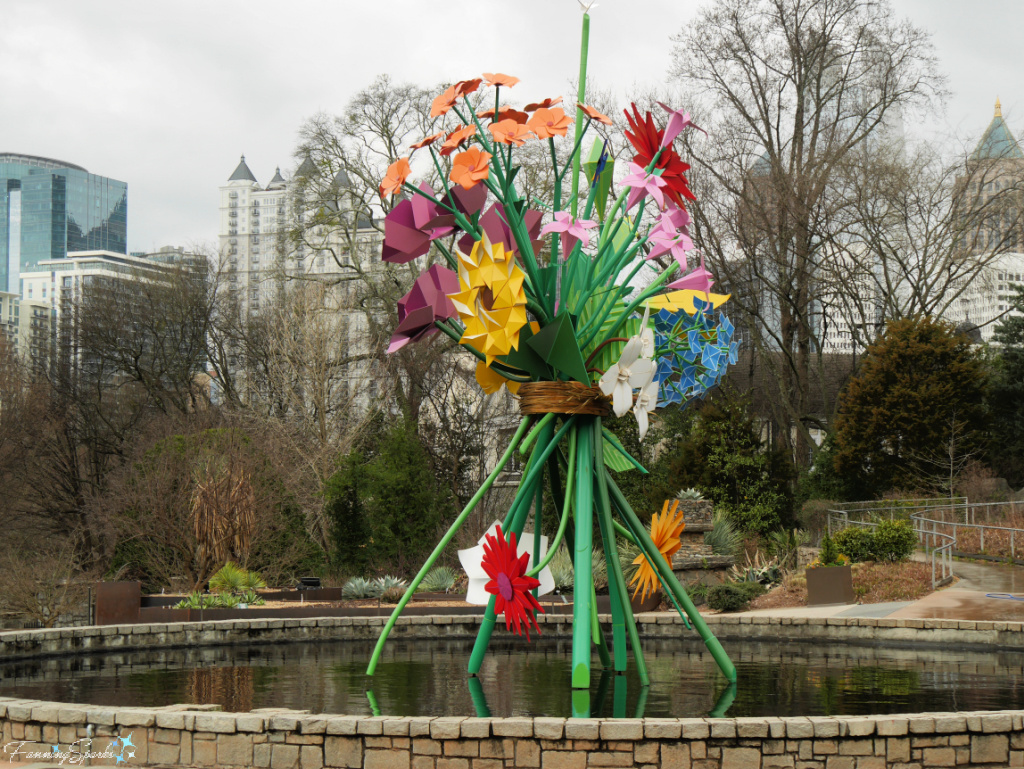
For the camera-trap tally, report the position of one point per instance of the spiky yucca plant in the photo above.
(439, 580)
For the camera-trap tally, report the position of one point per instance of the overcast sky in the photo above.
(166, 96)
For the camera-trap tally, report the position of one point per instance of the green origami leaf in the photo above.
(610, 353)
(616, 457)
(526, 358)
(556, 345)
(604, 180)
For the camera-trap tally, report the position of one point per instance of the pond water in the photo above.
(429, 678)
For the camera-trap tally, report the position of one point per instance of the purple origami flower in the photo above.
(426, 302)
(571, 229)
(403, 240)
(678, 122)
(643, 184)
(429, 217)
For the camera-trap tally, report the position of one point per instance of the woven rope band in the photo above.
(562, 398)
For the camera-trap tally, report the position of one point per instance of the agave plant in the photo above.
(724, 538)
(690, 493)
(760, 570)
(561, 569)
(392, 595)
(389, 582)
(360, 587)
(439, 580)
(251, 598)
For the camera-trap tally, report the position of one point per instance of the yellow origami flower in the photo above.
(491, 301)
(665, 531)
(490, 381)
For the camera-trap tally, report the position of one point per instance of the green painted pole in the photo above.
(583, 555)
(514, 522)
(581, 95)
(618, 617)
(615, 572)
(372, 699)
(641, 702)
(668, 578)
(476, 693)
(456, 525)
(725, 700)
(566, 503)
(619, 697)
(596, 632)
(538, 510)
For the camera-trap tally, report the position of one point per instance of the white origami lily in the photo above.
(472, 562)
(633, 370)
(646, 402)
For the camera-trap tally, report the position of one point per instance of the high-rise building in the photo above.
(49, 207)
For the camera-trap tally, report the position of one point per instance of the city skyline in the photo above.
(166, 98)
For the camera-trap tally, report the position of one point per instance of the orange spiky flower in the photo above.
(665, 530)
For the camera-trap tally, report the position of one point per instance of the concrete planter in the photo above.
(829, 585)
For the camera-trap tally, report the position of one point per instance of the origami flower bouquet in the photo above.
(591, 303)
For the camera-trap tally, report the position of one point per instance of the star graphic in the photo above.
(56, 748)
(127, 742)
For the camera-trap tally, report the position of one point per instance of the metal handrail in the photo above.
(927, 526)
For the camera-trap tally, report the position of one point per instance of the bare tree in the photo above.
(789, 90)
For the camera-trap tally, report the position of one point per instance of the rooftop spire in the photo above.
(999, 108)
(242, 173)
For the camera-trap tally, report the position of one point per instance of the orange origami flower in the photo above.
(505, 113)
(470, 167)
(498, 79)
(593, 114)
(445, 101)
(427, 141)
(546, 104)
(395, 177)
(547, 123)
(665, 531)
(465, 87)
(510, 132)
(456, 139)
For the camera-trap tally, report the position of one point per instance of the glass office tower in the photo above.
(48, 207)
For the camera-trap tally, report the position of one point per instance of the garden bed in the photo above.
(872, 583)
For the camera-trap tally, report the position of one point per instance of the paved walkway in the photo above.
(968, 600)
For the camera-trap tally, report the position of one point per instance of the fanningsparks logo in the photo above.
(120, 749)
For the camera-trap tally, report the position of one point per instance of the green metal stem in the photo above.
(566, 509)
(668, 578)
(581, 94)
(583, 556)
(517, 516)
(615, 570)
(456, 525)
(596, 632)
(476, 693)
(538, 510)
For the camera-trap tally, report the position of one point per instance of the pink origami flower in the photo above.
(426, 302)
(674, 242)
(571, 229)
(698, 280)
(678, 121)
(403, 240)
(643, 184)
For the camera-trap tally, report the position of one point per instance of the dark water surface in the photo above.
(429, 678)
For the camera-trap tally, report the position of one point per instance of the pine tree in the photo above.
(1006, 396)
(920, 385)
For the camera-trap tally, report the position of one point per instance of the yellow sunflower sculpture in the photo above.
(665, 530)
(491, 301)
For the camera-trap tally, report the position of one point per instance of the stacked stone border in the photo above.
(29, 644)
(280, 739)
(188, 735)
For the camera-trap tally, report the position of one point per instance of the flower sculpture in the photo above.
(665, 531)
(586, 304)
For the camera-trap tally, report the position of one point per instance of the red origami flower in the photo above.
(510, 584)
(646, 140)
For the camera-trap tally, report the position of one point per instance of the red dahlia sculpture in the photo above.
(510, 584)
(646, 139)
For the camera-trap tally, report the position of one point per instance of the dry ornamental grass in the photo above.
(872, 583)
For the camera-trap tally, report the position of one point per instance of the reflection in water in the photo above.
(418, 678)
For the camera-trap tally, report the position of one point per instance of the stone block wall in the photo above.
(282, 739)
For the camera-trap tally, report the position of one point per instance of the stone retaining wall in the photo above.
(27, 644)
(188, 735)
(280, 739)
